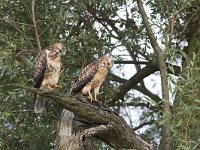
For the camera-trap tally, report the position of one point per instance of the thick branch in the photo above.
(133, 81)
(99, 115)
(95, 131)
(35, 26)
(24, 60)
(149, 69)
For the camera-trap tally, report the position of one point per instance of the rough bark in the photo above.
(64, 132)
(120, 136)
(69, 134)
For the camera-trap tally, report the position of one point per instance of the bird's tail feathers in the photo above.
(39, 104)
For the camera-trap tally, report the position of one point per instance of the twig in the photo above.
(138, 104)
(144, 124)
(35, 26)
(13, 24)
(184, 6)
(188, 22)
(172, 21)
(130, 62)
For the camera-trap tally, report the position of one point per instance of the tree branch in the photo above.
(163, 72)
(13, 24)
(139, 104)
(130, 62)
(122, 135)
(20, 57)
(133, 81)
(149, 69)
(144, 124)
(95, 131)
(35, 26)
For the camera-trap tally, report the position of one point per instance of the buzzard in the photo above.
(92, 76)
(46, 73)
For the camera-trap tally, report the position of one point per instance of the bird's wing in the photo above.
(86, 75)
(40, 67)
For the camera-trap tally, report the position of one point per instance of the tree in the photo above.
(154, 36)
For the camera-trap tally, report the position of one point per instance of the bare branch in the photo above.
(133, 81)
(138, 104)
(144, 124)
(13, 24)
(143, 90)
(35, 26)
(186, 25)
(163, 72)
(185, 6)
(130, 62)
(22, 58)
(116, 78)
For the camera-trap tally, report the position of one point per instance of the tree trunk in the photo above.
(186, 114)
(69, 134)
(64, 139)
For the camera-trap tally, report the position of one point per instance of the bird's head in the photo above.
(107, 60)
(60, 48)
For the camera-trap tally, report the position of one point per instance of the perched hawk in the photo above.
(92, 76)
(46, 73)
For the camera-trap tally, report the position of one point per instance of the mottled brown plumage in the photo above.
(46, 73)
(92, 77)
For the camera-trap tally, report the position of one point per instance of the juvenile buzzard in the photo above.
(46, 73)
(92, 76)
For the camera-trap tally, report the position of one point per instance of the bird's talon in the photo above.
(57, 86)
(49, 87)
(91, 99)
(97, 101)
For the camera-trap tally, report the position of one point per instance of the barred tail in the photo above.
(39, 104)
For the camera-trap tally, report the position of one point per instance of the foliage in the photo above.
(90, 28)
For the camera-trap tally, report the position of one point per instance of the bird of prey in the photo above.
(47, 71)
(92, 76)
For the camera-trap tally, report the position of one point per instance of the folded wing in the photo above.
(86, 75)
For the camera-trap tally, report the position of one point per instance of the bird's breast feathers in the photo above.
(99, 77)
(52, 72)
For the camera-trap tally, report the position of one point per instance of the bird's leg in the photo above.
(90, 96)
(96, 91)
(86, 90)
(49, 87)
(56, 86)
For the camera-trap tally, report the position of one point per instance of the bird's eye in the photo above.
(108, 63)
